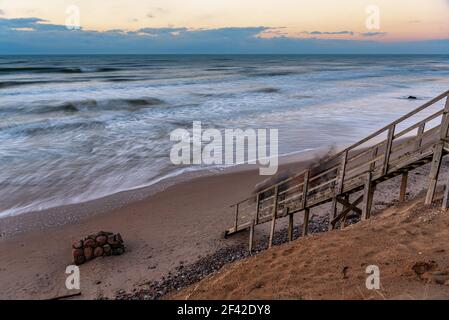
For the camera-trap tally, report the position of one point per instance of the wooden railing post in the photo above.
(257, 208)
(273, 221)
(434, 172)
(367, 197)
(341, 181)
(445, 205)
(290, 225)
(388, 148)
(251, 236)
(338, 188)
(403, 191)
(419, 135)
(305, 225)
(438, 155)
(305, 189)
(237, 216)
(343, 220)
(445, 121)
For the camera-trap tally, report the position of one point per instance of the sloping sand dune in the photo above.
(408, 242)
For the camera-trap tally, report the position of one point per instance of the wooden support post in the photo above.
(273, 220)
(445, 121)
(251, 236)
(446, 196)
(388, 148)
(333, 212)
(367, 197)
(341, 181)
(272, 229)
(371, 197)
(290, 225)
(339, 189)
(343, 220)
(305, 189)
(257, 208)
(438, 155)
(305, 225)
(403, 191)
(434, 171)
(236, 217)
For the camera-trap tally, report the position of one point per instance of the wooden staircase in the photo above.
(411, 141)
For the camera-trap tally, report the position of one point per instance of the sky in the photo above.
(224, 26)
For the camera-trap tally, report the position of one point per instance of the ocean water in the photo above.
(76, 128)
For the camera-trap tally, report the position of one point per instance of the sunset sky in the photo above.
(401, 21)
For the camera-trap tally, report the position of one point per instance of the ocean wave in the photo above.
(130, 104)
(12, 84)
(55, 69)
(45, 127)
(270, 73)
(121, 79)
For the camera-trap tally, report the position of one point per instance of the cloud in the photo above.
(330, 33)
(2, 13)
(351, 33)
(37, 36)
(373, 34)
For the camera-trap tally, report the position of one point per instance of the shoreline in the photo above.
(15, 224)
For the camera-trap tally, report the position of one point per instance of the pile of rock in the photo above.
(97, 245)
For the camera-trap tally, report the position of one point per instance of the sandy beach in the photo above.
(171, 225)
(163, 228)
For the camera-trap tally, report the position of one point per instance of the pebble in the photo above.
(186, 275)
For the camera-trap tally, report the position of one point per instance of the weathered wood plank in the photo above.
(350, 207)
(274, 212)
(251, 236)
(403, 190)
(445, 120)
(367, 194)
(388, 148)
(434, 171)
(290, 225)
(257, 208)
(305, 225)
(345, 207)
(236, 224)
(342, 172)
(333, 212)
(445, 205)
(305, 188)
